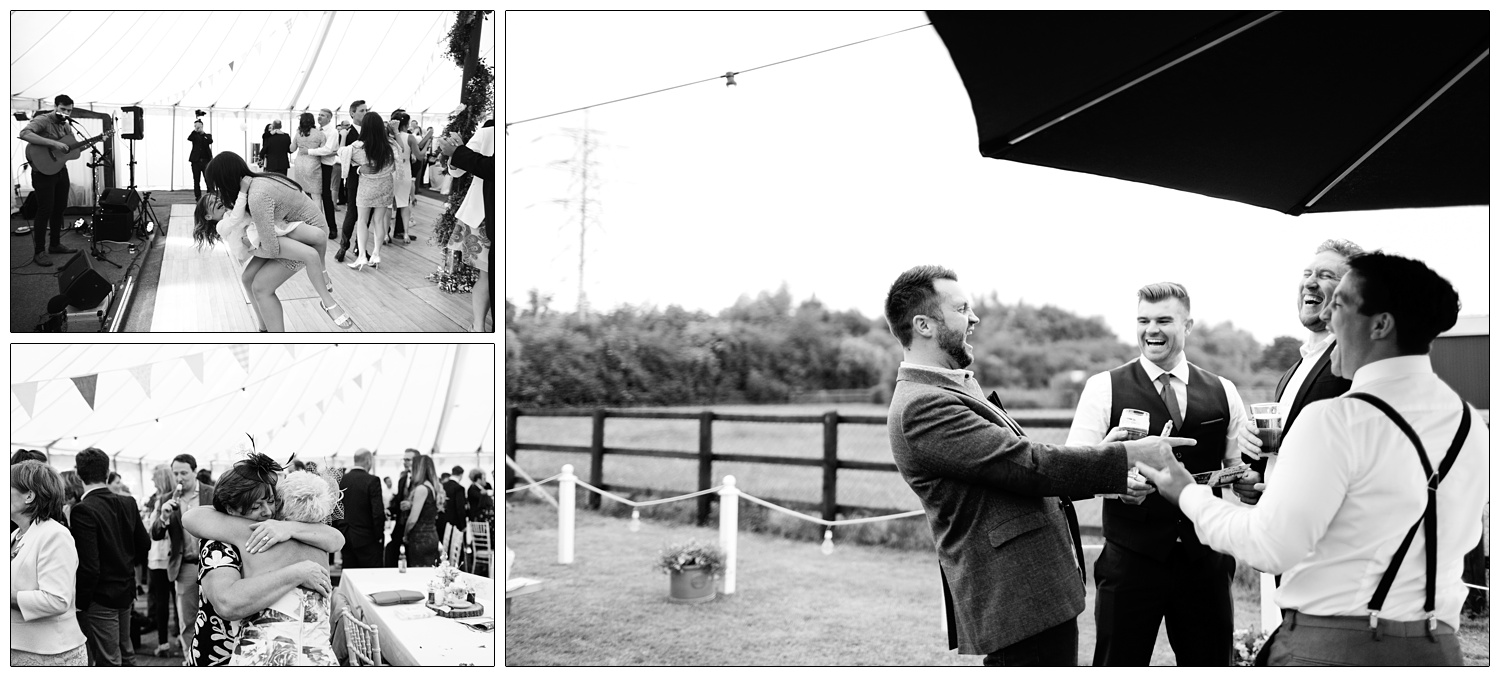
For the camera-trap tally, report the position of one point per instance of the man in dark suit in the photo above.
(363, 525)
(357, 112)
(182, 555)
(1309, 380)
(200, 154)
(111, 540)
(454, 506)
(399, 508)
(1012, 572)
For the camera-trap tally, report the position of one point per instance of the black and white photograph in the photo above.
(252, 171)
(252, 505)
(960, 338)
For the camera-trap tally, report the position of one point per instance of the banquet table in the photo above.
(425, 641)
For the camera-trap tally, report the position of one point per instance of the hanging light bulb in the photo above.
(828, 541)
(635, 520)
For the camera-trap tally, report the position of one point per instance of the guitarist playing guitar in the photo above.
(50, 145)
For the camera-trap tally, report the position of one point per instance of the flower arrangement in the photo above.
(692, 552)
(1247, 644)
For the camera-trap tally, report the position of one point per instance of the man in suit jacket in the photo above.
(399, 508)
(357, 112)
(111, 540)
(1309, 380)
(363, 525)
(1012, 573)
(182, 555)
(454, 506)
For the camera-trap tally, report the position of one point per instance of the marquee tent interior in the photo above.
(321, 402)
(242, 68)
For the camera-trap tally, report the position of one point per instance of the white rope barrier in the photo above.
(827, 523)
(533, 484)
(637, 504)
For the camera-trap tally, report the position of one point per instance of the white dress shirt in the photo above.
(1350, 488)
(344, 153)
(1312, 350)
(1091, 420)
(328, 152)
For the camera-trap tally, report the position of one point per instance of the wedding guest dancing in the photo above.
(376, 159)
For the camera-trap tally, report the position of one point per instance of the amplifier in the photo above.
(113, 226)
(83, 286)
(117, 199)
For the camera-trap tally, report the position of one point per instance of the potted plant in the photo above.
(691, 566)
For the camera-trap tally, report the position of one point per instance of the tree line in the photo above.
(767, 349)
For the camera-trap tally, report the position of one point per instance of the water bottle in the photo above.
(401, 560)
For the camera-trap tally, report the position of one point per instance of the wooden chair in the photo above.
(483, 548)
(362, 641)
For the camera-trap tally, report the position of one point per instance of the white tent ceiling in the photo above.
(243, 68)
(318, 401)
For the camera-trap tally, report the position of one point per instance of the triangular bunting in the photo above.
(379, 365)
(86, 386)
(401, 348)
(339, 394)
(241, 353)
(358, 380)
(291, 349)
(142, 376)
(26, 393)
(320, 405)
(195, 362)
(300, 417)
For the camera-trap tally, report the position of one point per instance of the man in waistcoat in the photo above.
(1153, 567)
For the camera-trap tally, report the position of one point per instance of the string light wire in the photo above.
(729, 76)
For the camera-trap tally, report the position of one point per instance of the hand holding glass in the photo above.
(1267, 426)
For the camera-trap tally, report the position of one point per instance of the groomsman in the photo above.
(357, 112)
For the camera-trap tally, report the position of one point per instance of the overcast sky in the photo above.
(836, 172)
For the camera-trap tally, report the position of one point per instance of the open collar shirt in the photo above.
(1350, 488)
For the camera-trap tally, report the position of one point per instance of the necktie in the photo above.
(1170, 397)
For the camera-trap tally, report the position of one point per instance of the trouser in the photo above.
(1190, 590)
(51, 199)
(1348, 640)
(187, 606)
(158, 602)
(198, 166)
(398, 539)
(1055, 646)
(327, 172)
(351, 211)
(364, 556)
(107, 632)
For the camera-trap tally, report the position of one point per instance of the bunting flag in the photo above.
(142, 376)
(301, 417)
(86, 386)
(291, 349)
(320, 406)
(401, 348)
(358, 379)
(241, 353)
(26, 393)
(195, 362)
(339, 394)
(379, 365)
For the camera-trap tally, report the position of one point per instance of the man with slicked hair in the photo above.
(363, 524)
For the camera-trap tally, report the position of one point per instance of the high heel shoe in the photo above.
(375, 261)
(343, 321)
(358, 263)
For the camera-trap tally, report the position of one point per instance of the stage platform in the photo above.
(199, 289)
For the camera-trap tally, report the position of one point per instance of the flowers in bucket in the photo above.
(692, 552)
(1247, 644)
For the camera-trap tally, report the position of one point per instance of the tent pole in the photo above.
(449, 356)
(461, 351)
(172, 175)
(312, 57)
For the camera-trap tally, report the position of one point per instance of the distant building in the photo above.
(1461, 356)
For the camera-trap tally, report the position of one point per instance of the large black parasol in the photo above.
(1292, 111)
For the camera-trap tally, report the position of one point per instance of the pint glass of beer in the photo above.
(1267, 426)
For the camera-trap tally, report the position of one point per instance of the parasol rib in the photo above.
(1395, 130)
(1143, 78)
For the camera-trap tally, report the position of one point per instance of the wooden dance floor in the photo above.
(200, 290)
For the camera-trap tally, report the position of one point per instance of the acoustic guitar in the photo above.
(48, 160)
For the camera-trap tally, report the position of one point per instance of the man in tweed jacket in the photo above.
(1012, 573)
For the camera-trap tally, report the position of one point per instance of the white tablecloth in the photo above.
(426, 641)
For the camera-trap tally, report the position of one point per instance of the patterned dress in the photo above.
(216, 636)
(376, 188)
(296, 630)
(309, 168)
(273, 204)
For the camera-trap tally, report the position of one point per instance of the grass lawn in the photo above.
(864, 605)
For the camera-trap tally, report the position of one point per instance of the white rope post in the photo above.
(729, 529)
(567, 485)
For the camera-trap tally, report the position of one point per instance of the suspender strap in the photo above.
(1429, 516)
